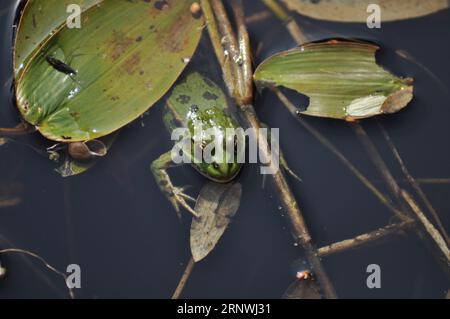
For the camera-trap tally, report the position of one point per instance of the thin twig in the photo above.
(364, 239)
(20, 129)
(430, 229)
(379, 163)
(245, 64)
(420, 181)
(43, 261)
(216, 41)
(414, 184)
(293, 28)
(10, 202)
(433, 181)
(257, 17)
(187, 273)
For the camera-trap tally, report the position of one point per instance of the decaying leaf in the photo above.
(356, 10)
(341, 78)
(303, 289)
(71, 167)
(216, 205)
(81, 84)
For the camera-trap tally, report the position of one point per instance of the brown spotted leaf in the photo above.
(216, 205)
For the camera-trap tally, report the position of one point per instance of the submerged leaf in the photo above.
(341, 78)
(72, 167)
(82, 84)
(303, 289)
(216, 205)
(356, 10)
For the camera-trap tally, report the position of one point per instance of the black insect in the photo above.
(61, 66)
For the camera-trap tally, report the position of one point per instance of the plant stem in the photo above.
(293, 28)
(258, 17)
(414, 184)
(20, 129)
(42, 260)
(325, 142)
(430, 229)
(364, 239)
(379, 163)
(187, 273)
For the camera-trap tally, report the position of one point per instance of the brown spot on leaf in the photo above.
(118, 45)
(178, 39)
(132, 63)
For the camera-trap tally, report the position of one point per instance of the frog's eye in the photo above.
(216, 166)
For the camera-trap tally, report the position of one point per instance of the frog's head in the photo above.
(222, 165)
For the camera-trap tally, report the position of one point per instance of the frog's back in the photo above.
(195, 94)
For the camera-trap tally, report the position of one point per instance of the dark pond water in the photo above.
(117, 226)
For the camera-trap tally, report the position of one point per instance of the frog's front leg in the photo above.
(174, 194)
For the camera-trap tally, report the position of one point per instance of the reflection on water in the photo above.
(118, 227)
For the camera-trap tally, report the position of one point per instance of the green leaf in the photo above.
(38, 21)
(356, 10)
(341, 78)
(127, 55)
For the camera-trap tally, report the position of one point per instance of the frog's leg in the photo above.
(174, 194)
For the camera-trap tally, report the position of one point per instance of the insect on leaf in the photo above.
(216, 205)
(341, 79)
(127, 55)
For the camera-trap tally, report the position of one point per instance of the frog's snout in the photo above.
(223, 172)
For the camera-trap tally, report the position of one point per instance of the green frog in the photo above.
(194, 102)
